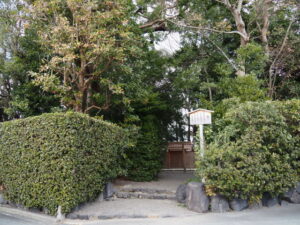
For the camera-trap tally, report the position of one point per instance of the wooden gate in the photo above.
(180, 155)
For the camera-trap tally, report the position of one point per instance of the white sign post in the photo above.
(201, 117)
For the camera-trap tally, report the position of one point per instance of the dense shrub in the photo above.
(58, 159)
(254, 153)
(144, 161)
(291, 111)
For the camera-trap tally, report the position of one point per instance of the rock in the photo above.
(83, 217)
(34, 210)
(20, 206)
(256, 205)
(46, 211)
(109, 190)
(2, 200)
(238, 204)
(292, 196)
(196, 198)
(100, 197)
(269, 201)
(60, 216)
(219, 204)
(181, 193)
(284, 203)
(298, 187)
(72, 216)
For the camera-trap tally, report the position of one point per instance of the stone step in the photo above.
(147, 191)
(143, 195)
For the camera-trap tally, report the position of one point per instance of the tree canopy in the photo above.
(98, 57)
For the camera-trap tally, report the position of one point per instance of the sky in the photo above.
(170, 44)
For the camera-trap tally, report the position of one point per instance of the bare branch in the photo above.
(239, 5)
(230, 61)
(208, 29)
(157, 25)
(225, 2)
(272, 74)
(95, 107)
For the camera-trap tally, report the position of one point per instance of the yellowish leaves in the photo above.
(223, 25)
(49, 82)
(194, 18)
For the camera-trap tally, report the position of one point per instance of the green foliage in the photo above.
(291, 111)
(30, 100)
(254, 153)
(247, 88)
(238, 90)
(253, 57)
(145, 159)
(58, 159)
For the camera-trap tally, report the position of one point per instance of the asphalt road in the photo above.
(14, 220)
(12, 216)
(285, 215)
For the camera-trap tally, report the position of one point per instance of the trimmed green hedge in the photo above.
(58, 159)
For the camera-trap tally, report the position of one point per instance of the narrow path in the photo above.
(133, 208)
(155, 199)
(167, 180)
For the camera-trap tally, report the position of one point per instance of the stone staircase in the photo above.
(145, 193)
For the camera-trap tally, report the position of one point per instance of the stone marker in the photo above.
(238, 204)
(196, 198)
(60, 216)
(219, 204)
(181, 193)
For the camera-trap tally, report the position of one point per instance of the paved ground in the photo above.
(12, 216)
(278, 215)
(157, 212)
(167, 180)
(135, 208)
(141, 208)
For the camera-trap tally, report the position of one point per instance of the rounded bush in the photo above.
(58, 159)
(252, 154)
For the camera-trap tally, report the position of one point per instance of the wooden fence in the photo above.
(180, 155)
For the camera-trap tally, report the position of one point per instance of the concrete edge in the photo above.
(21, 213)
(74, 218)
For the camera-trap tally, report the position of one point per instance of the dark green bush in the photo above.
(58, 159)
(290, 109)
(254, 153)
(144, 161)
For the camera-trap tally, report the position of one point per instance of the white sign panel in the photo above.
(200, 117)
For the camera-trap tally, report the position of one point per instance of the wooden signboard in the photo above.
(200, 117)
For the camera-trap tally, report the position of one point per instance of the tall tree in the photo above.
(87, 39)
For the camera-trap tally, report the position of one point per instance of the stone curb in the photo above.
(102, 217)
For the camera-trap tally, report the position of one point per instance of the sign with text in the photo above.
(200, 116)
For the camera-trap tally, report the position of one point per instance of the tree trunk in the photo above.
(244, 37)
(265, 27)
